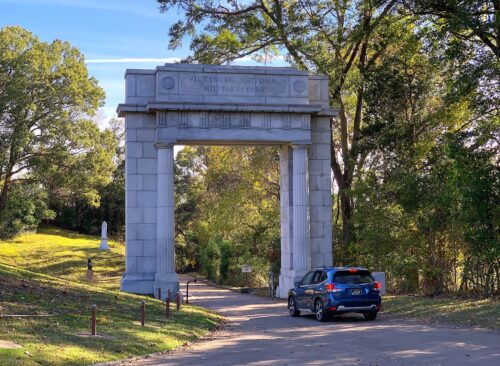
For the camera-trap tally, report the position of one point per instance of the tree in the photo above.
(341, 39)
(74, 210)
(46, 136)
(227, 210)
(474, 20)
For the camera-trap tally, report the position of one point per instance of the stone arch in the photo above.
(232, 105)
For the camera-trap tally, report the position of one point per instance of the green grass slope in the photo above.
(63, 337)
(63, 254)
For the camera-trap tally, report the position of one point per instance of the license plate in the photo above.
(356, 291)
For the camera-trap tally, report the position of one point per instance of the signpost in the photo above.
(246, 269)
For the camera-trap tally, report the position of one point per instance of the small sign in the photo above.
(246, 268)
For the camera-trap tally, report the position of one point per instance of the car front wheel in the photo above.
(292, 307)
(319, 310)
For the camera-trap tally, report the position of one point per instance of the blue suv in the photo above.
(334, 290)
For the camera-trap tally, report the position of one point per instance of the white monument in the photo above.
(224, 105)
(104, 236)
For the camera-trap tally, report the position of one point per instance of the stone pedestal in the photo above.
(104, 237)
(104, 244)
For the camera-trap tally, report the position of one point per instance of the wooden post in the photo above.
(159, 293)
(93, 324)
(178, 301)
(167, 304)
(143, 312)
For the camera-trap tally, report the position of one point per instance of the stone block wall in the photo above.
(320, 196)
(140, 202)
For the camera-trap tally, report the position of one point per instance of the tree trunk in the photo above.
(3, 194)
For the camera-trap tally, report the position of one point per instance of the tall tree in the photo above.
(474, 20)
(340, 38)
(46, 98)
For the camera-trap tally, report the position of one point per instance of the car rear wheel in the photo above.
(292, 307)
(370, 315)
(319, 310)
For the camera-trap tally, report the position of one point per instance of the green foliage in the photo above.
(75, 212)
(25, 208)
(227, 210)
(226, 259)
(435, 226)
(46, 136)
(415, 142)
(210, 260)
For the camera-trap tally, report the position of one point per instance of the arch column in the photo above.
(300, 228)
(295, 227)
(165, 276)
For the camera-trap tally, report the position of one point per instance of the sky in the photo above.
(114, 35)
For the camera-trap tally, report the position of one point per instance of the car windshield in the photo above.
(346, 277)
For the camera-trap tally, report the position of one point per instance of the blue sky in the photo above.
(112, 34)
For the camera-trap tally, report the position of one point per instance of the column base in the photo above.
(166, 282)
(137, 283)
(287, 281)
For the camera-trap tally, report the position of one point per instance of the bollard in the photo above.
(178, 301)
(159, 293)
(143, 312)
(167, 304)
(90, 271)
(271, 284)
(187, 289)
(93, 324)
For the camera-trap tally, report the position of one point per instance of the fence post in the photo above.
(167, 304)
(159, 293)
(178, 301)
(93, 324)
(143, 312)
(271, 284)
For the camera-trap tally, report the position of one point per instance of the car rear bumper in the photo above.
(343, 308)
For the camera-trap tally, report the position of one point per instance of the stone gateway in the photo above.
(224, 105)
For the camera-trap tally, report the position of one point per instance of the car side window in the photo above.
(316, 277)
(319, 276)
(307, 279)
(323, 277)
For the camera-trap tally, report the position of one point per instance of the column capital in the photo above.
(164, 145)
(299, 146)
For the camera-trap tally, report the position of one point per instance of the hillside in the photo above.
(58, 300)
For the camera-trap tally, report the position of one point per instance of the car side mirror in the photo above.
(297, 284)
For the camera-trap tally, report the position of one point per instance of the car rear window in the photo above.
(347, 277)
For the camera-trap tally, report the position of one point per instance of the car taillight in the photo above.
(330, 287)
(376, 286)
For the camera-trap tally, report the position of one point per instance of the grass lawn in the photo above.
(63, 254)
(62, 339)
(445, 309)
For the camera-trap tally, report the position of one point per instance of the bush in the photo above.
(24, 209)
(210, 260)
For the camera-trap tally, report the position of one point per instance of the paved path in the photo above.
(260, 332)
